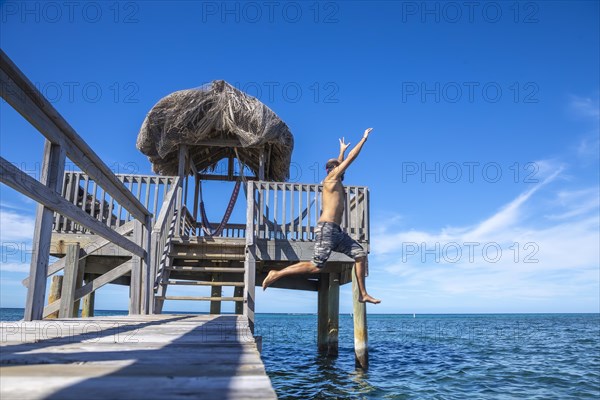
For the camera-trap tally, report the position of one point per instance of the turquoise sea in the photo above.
(462, 356)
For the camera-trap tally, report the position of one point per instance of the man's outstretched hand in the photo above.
(343, 145)
(366, 134)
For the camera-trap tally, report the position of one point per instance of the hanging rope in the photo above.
(206, 226)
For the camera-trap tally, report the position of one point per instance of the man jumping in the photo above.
(328, 234)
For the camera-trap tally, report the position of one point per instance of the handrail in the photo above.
(24, 97)
(162, 235)
(81, 190)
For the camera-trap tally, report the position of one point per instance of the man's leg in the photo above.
(360, 267)
(304, 267)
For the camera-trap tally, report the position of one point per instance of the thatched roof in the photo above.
(217, 113)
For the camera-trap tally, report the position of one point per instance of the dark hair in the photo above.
(331, 164)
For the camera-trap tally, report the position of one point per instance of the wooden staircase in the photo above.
(203, 262)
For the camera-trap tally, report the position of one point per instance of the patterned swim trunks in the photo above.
(330, 237)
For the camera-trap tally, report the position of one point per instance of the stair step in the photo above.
(197, 298)
(208, 269)
(216, 255)
(200, 283)
(203, 241)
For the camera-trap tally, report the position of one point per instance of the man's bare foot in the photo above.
(269, 279)
(368, 299)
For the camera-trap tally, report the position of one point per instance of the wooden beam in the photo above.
(103, 280)
(33, 189)
(25, 98)
(67, 296)
(361, 335)
(93, 247)
(261, 165)
(94, 285)
(51, 178)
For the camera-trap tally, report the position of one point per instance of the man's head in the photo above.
(331, 164)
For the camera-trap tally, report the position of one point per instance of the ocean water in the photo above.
(468, 356)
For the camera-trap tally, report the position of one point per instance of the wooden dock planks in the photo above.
(132, 357)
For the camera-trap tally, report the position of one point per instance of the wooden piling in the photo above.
(54, 295)
(67, 296)
(238, 291)
(361, 337)
(333, 308)
(216, 291)
(78, 285)
(87, 308)
(322, 313)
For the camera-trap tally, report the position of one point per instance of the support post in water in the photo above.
(361, 336)
(322, 313)
(333, 320)
(87, 309)
(54, 295)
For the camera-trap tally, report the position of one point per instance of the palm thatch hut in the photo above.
(213, 122)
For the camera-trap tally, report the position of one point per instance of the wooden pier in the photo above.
(142, 231)
(132, 357)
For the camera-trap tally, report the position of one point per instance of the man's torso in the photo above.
(332, 201)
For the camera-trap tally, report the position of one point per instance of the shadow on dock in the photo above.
(170, 357)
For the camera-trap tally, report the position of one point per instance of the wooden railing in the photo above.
(290, 211)
(61, 142)
(85, 193)
(162, 236)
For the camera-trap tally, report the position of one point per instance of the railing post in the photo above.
(250, 261)
(156, 254)
(135, 285)
(181, 172)
(146, 267)
(67, 296)
(51, 176)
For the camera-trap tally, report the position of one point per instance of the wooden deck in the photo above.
(132, 357)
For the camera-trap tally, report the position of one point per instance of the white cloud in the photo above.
(542, 257)
(14, 267)
(15, 226)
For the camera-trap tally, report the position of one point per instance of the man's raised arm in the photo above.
(343, 147)
(352, 155)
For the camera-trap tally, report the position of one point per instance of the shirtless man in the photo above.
(328, 234)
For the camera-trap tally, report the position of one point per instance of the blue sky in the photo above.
(486, 129)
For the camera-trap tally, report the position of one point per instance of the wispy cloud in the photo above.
(14, 267)
(15, 226)
(530, 259)
(585, 106)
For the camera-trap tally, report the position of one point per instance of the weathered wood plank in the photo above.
(51, 180)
